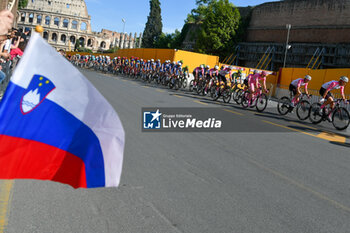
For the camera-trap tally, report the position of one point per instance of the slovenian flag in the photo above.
(54, 125)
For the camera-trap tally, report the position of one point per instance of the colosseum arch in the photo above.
(103, 44)
(90, 42)
(63, 38)
(46, 35)
(31, 18)
(74, 24)
(39, 19)
(56, 21)
(65, 23)
(72, 39)
(82, 41)
(54, 37)
(23, 17)
(83, 26)
(47, 20)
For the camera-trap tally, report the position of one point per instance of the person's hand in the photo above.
(6, 21)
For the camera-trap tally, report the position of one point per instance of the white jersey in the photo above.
(296, 82)
(333, 84)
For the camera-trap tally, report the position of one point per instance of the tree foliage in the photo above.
(218, 31)
(169, 41)
(154, 26)
(22, 4)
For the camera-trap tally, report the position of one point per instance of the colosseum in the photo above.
(66, 21)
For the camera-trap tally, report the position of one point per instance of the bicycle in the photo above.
(284, 106)
(340, 115)
(258, 100)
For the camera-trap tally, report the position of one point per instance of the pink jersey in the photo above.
(299, 82)
(213, 72)
(256, 78)
(225, 71)
(333, 85)
(198, 70)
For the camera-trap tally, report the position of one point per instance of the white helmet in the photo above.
(308, 77)
(158, 60)
(152, 60)
(216, 67)
(208, 67)
(179, 63)
(174, 62)
(344, 79)
(202, 66)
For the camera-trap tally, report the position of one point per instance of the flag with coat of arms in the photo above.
(55, 125)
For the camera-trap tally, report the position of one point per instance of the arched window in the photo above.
(31, 18)
(103, 44)
(65, 23)
(72, 39)
(82, 41)
(63, 38)
(23, 17)
(39, 19)
(46, 35)
(74, 24)
(83, 26)
(54, 37)
(89, 43)
(47, 20)
(56, 21)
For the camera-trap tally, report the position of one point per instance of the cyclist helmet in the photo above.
(344, 79)
(174, 62)
(179, 63)
(216, 67)
(264, 73)
(152, 60)
(158, 60)
(307, 77)
(208, 67)
(141, 59)
(202, 66)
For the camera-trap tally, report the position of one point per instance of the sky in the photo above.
(108, 14)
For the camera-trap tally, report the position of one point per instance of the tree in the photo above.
(169, 41)
(218, 30)
(22, 4)
(154, 26)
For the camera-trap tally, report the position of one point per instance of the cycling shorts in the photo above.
(293, 89)
(323, 90)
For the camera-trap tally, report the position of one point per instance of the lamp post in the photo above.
(288, 26)
(123, 20)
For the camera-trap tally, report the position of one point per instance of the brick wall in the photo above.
(316, 21)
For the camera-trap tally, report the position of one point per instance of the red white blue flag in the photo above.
(54, 125)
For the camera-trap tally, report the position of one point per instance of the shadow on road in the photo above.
(341, 144)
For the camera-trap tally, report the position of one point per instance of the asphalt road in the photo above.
(281, 176)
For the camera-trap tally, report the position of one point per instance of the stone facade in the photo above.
(313, 21)
(66, 21)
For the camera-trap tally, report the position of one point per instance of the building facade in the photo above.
(10, 5)
(67, 21)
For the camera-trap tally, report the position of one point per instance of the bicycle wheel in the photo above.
(340, 118)
(316, 113)
(238, 96)
(191, 85)
(261, 102)
(303, 110)
(226, 95)
(245, 99)
(283, 105)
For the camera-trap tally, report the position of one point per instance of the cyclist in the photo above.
(197, 73)
(327, 97)
(295, 86)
